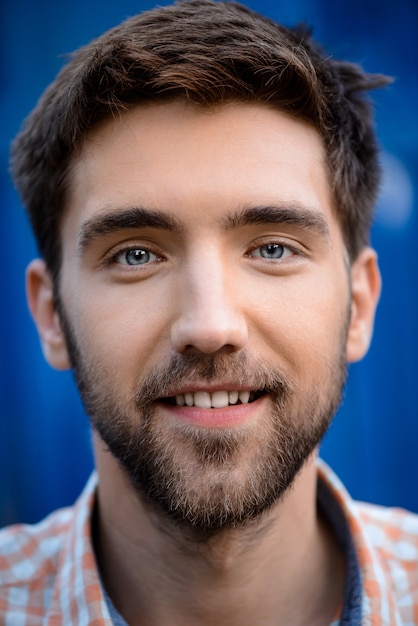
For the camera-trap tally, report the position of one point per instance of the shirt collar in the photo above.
(77, 595)
(377, 597)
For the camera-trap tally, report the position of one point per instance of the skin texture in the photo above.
(213, 293)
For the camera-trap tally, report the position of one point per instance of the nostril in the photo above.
(209, 331)
(225, 349)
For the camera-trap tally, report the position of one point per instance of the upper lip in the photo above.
(209, 388)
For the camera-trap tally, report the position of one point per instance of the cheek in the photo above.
(118, 333)
(304, 324)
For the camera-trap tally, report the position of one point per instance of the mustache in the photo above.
(236, 368)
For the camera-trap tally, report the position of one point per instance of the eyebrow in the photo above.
(138, 217)
(125, 219)
(295, 215)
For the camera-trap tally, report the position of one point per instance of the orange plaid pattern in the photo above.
(386, 542)
(49, 577)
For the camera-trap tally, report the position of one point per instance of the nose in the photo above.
(210, 317)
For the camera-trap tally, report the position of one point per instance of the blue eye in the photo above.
(272, 251)
(135, 256)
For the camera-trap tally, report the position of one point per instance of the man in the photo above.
(201, 184)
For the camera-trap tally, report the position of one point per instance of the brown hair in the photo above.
(208, 53)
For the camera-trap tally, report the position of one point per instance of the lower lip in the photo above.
(226, 417)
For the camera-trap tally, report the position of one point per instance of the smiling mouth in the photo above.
(215, 399)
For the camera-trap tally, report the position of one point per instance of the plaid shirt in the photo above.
(48, 572)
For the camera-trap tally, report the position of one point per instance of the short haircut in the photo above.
(207, 53)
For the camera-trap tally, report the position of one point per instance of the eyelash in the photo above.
(295, 251)
(112, 257)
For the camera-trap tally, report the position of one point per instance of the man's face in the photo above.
(205, 298)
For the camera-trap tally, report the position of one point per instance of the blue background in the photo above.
(45, 452)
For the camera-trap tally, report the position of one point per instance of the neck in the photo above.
(156, 573)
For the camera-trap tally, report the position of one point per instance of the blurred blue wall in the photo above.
(44, 438)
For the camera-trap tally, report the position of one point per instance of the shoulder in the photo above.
(386, 544)
(393, 533)
(29, 554)
(48, 571)
(392, 529)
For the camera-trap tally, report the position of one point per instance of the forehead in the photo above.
(199, 162)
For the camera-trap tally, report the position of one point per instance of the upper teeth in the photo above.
(216, 400)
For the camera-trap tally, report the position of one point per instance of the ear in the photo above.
(40, 296)
(365, 286)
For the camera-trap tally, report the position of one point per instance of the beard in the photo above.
(209, 479)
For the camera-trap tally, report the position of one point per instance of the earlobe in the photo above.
(40, 295)
(366, 286)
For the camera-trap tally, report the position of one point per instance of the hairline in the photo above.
(213, 107)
